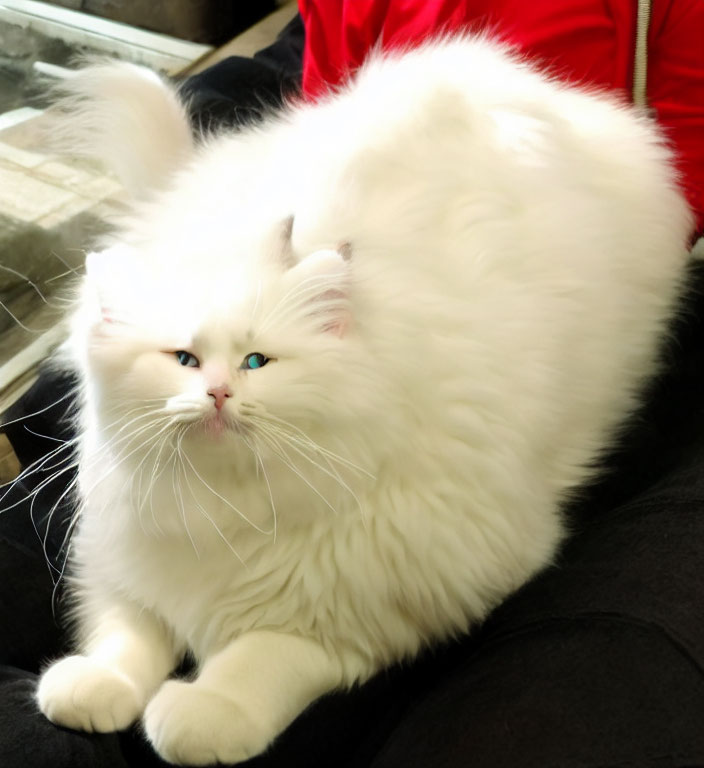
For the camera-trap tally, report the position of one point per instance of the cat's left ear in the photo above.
(322, 280)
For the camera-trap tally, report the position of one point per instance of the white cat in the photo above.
(339, 373)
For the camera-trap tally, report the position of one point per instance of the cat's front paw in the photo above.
(191, 725)
(79, 693)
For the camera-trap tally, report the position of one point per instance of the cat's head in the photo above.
(252, 351)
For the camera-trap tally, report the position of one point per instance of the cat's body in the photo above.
(481, 266)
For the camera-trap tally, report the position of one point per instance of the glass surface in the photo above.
(21, 85)
(51, 208)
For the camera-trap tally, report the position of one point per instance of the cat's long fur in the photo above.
(481, 265)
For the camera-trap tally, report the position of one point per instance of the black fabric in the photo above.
(29, 740)
(597, 662)
(560, 695)
(28, 635)
(239, 91)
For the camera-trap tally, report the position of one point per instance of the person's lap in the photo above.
(596, 662)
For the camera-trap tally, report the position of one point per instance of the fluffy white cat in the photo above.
(339, 373)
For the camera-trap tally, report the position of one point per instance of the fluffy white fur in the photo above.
(123, 113)
(481, 265)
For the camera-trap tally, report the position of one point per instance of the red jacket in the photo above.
(586, 41)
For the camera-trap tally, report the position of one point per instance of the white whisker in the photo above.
(330, 471)
(223, 499)
(260, 463)
(178, 497)
(29, 282)
(286, 459)
(306, 288)
(269, 418)
(41, 410)
(44, 437)
(181, 455)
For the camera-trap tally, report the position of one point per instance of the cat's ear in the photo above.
(322, 281)
(115, 277)
(279, 245)
(124, 116)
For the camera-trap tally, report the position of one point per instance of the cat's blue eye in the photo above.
(254, 360)
(187, 359)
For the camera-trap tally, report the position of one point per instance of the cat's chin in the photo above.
(218, 428)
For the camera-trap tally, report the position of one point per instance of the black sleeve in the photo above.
(238, 91)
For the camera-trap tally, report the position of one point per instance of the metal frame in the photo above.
(130, 43)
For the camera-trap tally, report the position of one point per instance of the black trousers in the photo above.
(597, 662)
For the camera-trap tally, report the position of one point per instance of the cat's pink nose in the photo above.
(220, 394)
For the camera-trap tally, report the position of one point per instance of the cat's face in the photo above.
(252, 353)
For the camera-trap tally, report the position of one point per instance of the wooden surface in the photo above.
(9, 466)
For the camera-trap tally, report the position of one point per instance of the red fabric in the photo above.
(584, 41)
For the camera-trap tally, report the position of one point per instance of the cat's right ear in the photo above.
(126, 117)
(115, 278)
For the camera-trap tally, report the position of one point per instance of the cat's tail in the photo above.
(127, 118)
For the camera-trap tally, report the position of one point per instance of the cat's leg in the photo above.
(243, 697)
(127, 654)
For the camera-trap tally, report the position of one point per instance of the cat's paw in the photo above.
(79, 693)
(190, 725)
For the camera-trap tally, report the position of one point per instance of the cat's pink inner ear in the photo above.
(343, 319)
(329, 269)
(337, 314)
(338, 325)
